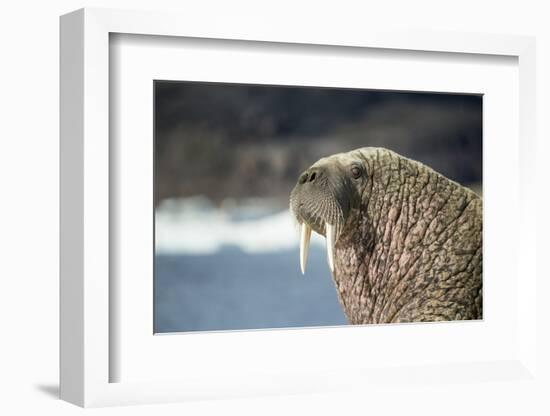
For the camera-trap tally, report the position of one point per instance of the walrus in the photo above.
(404, 243)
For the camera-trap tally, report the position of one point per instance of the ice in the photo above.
(195, 226)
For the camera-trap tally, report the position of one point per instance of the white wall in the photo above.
(29, 171)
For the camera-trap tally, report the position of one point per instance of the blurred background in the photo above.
(227, 157)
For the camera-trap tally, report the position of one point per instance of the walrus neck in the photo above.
(385, 262)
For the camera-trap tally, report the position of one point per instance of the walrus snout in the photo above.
(317, 200)
(320, 201)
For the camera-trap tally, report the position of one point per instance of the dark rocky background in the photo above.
(255, 140)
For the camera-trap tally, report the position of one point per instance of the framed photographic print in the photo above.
(249, 213)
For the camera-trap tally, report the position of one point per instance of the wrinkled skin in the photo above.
(408, 242)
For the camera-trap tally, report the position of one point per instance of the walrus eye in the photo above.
(355, 172)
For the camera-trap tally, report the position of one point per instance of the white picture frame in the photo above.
(87, 302)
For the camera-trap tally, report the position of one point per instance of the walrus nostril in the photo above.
(309, 176)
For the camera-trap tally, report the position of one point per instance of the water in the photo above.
(231, 289)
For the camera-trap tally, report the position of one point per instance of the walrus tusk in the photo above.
(305, 235)
(330, 245)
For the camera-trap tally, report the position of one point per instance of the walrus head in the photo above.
(325, 197)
